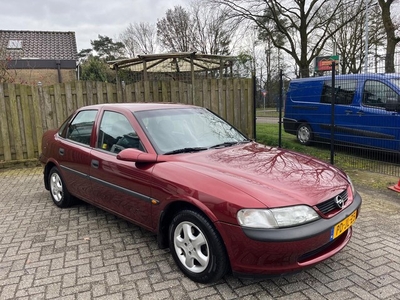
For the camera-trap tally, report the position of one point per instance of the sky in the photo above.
(87, 18)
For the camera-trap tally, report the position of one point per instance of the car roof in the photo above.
(137, 106)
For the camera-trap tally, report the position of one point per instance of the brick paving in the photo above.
(85, 253)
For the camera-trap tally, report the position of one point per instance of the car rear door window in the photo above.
(80, 129)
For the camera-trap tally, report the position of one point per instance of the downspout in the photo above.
(192, 76)
(58, 63)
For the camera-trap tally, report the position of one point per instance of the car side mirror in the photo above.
(135, 155)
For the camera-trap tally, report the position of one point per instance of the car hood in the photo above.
(275, 177)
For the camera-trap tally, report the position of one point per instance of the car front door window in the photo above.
(116, 133)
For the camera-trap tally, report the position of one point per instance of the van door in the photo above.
(366, 122)
(376, 126)
(345, 101)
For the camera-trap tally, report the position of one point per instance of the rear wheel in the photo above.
(58, 191)
(304, 134)
(197, 247)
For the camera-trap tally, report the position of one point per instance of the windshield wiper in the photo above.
(228, 144)
(186, 150)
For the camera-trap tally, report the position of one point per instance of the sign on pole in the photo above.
(264, 93)
(324, 63)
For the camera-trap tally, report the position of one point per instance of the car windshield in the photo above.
(187, 130)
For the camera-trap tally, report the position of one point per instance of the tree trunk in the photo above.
(391, 38)
(389, 60)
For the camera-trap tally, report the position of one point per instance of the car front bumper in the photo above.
(273, 252)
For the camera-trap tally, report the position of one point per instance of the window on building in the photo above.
(14, 44)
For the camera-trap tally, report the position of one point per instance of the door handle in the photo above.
(348, 111)
(61, 151)
(95, 163)
(360, 113)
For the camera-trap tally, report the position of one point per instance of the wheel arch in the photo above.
(46, 172)
(301, 122)
(170, 211)
(165, 219)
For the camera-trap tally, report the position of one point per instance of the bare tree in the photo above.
(377, 35)
(391, 38)
(274, 61)
(140, 38)
(304, 24)
(6, 74)
(175, 30)
(349, 41)
(200, 28)
(213, 30)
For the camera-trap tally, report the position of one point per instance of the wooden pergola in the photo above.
(186, 62)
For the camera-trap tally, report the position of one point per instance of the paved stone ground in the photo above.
(86, 253)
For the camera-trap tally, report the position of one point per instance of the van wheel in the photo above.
(304, 134)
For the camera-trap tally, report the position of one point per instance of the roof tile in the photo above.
(40, 44)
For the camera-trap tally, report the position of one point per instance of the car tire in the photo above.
(197, 247)
(304, 134)
(58, 191)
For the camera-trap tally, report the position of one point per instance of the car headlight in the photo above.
(276, 217)
(353, 190)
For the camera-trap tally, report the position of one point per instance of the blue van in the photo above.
(366, 110)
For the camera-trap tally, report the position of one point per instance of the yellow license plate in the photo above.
(341, 227)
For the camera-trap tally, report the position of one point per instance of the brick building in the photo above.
(30, 57)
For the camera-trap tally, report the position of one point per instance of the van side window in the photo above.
(344, 89)
(377, 94)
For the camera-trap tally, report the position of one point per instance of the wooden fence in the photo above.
(28, 111)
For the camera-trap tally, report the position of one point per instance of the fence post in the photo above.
(119, 85)
(4, 132)
(254, 106)
(280, 107)
(42, 106)
(333, 114)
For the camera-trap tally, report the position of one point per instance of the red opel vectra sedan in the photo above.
(218, 200)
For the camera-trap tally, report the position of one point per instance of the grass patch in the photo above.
(348, 159)
(268, 112)
(268, 134)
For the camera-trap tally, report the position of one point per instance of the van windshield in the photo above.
(396, 81)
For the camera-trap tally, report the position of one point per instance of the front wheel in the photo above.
(304, 134)
(197, 247)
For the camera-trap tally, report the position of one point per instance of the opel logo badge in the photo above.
(339, 201)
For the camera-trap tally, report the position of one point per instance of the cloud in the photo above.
(87, 18)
